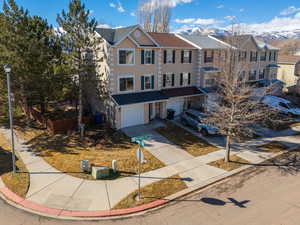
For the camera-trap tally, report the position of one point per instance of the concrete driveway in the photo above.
(157, 145)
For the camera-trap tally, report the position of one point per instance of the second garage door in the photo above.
(177, 106)
(132, 115)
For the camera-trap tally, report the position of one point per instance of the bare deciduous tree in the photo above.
(154, 15)
(237, 108)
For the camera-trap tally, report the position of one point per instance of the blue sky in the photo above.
(257, 14)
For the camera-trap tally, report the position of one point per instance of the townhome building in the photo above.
(150, 73)
(147, 74)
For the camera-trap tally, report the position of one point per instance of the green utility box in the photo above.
(100, 172)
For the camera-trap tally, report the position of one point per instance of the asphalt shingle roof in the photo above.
(169, 40)
(152, 96)
(114, 35)
(205, 41)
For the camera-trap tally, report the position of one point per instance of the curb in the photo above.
(16, 201)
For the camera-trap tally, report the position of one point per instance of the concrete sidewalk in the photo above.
(54, 189)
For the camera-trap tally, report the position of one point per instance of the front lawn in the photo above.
(101, 146)
(273, 146)
(19, 182)
(153, 192)
(235, 163)
(186, 140)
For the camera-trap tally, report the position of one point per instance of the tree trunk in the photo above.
(80, 105)
(227, 154)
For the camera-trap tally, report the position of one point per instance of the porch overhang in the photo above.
(139, 98)
(182, 92)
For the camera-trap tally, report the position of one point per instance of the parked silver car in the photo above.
(194, 119)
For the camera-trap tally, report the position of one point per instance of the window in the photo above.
(208, 56)
(262, 74)
(253, 56)
(126, 83)
(242, 55)
(252, 75)
(274, 56)
(147, 56)
(185, 79)
(126, 56)
(270, 56)
(169, 80)
(263, 56)
(169, 56)
(186, 56)
(147, 82)
(209, 82)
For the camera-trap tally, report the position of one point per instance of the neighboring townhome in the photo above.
(258, 59)
(148, 73)
(289, 72)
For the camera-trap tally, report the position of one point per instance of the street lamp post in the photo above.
(7, 70)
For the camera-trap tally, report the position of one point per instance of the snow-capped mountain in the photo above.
(225, 31)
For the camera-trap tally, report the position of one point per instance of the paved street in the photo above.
(264, 196)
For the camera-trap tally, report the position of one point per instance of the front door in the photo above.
(152, 112)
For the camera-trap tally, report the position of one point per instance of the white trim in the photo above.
(148, 49)
(148, 35)
(137, 44)
(144, 103)
(125, 49)
(126, 76)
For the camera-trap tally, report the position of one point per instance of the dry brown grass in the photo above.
(153, 192)
(235, 163)
(274, 147)
(186, 140)
(19, 182)
(65, 152)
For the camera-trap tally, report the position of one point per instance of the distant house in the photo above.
(289, 72)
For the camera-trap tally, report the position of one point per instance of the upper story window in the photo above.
(186, 56)
(242, 55)
(147, 56)
(210, 82)
(263, 56)
(208, 56)
(274, 56)
(126, 83)
(147, 82)
(168, 80)
(169, 56)
(185, 79)
(126, 56)
(253, 56)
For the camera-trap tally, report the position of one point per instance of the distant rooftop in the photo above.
(288, 59)
(169, 40)
(205, 41)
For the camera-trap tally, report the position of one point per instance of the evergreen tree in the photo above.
(83, 47)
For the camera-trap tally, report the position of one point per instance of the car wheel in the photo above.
(204, 132)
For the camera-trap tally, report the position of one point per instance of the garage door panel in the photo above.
(132, 115)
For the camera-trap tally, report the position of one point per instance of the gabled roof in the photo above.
(169, 40)
(240, 40)
(115, 35)
(204, 41)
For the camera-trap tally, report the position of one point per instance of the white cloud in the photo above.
(289, 11)
(230, 18)
(118, 7)
(132, 14)
(242, 10)
(199, 21)
(113, 5)
(277, 24)
(103, 26)
(154, 4)
(220, 6)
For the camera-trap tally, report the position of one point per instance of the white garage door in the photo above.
(177, 106)
(132, 115)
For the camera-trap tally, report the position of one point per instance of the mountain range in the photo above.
(224, 31)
